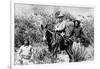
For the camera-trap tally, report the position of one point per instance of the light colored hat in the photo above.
(60, 15)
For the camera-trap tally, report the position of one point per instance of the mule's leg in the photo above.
(70, 49)
(50, 47)
(69, 52)
(54, 53)
(54, 50)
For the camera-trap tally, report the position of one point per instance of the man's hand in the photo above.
(62, 34)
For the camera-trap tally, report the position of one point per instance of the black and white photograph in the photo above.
(50, 34)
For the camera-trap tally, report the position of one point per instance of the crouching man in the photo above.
(25, 53)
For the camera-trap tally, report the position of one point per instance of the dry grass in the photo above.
(82, 53)
(41, 55)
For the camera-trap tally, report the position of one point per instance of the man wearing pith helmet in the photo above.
(61, 24)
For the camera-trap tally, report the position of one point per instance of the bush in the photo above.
(82, 53)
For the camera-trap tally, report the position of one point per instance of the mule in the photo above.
(55, 42)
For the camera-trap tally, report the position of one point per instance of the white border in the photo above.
(44, 66)
(12, 35)
(41, 2)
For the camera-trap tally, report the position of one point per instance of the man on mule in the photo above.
(60, 29)
(55, 39)
(60, 25)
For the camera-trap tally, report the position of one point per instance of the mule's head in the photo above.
(46, 32)
(43, 31)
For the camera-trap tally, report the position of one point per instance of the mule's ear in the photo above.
(46, 26)
(42, 27)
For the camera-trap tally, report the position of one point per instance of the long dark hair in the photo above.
(78, 25)
(27, 41)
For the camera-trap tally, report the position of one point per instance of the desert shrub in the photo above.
(82, 53)
(69, 16)
(25, 28)
(41, 55)
(88, 28)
